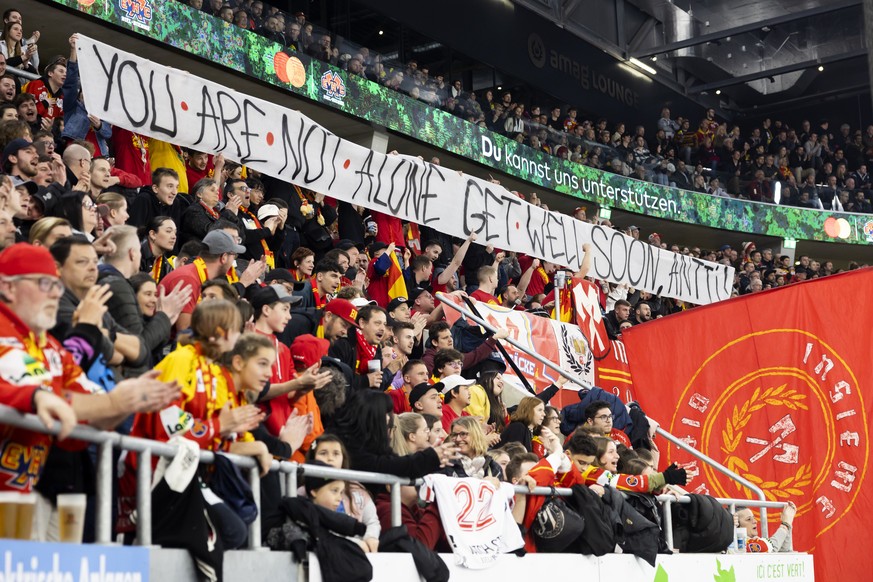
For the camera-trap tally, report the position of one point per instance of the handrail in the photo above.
(715, 464)
(765, 529)
(22, 73)
(106, 440)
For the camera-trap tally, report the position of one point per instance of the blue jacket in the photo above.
(76, 122)
(574, 414)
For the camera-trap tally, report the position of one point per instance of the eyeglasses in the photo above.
(45, 284)
(604, 417)
(88, 205)
(459, 435)
(455, 364)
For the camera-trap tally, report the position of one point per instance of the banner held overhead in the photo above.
(168, 104)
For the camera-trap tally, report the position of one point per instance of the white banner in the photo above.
(172, 105)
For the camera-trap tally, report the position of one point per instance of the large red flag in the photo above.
(776, 386)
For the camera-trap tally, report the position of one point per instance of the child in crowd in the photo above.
(355, 500)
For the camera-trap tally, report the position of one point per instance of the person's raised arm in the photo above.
(457, 260)
(586, 262)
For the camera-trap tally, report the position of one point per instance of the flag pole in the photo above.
(447, 301)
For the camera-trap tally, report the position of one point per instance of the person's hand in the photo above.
(59, 170)
(374, 379)
(360, 279)
(84, 183)
(598, 489)
(50, 407)
(272, 223)
(501, 334)
(8, 195)
(492, 439)
(372, 545)
(144, 394)
(239, 419)
(218, 163)
(172, 303)
(254, 271)
(534, 199)
(736, 520)
(103, 245)
(458, 293)
(312, 379)
(489, 249)
(498, 258)
(561, 381)
(95, 121)
(233, 203)
(391, 248)
(419, 321)
(45, 124)
(550, 440)
(262, 456)
(407, 254)
(447, 452)
(296, 429)
(283, 217)
(92, 307)
(788, 512)
(35, 37)
(472, 237)
(529, 482)
(318, 198)
(674, 475)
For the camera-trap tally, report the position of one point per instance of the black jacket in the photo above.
(196, 222)
(341, 560)
(125, 310)
(146, 206)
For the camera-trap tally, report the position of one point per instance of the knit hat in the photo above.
(26, 259)
(308, 350)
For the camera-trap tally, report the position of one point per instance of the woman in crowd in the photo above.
(20, 52)
(146, 291)
(112, 209)
(215, 419)
(158, 242)
(411, 434)
(528, 416)
(607, 454)
(474, 461)
(80, 211)
(302, 264)
(362, 424)
(203, 213)
(47, 230)
(356, 500)
(493, 384)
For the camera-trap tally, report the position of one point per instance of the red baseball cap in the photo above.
(25, 259)
(308, 349)
(343, 308)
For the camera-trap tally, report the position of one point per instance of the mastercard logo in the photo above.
(289, 69)
(837, 227)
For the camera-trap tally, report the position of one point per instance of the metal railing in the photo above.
(22, 73)
(762, 503)
(106, 441)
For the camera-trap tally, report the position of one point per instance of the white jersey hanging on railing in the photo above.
(476, 516)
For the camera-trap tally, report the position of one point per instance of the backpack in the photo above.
(556, 526)
(227, 482)
(601, 526)
(702, 526)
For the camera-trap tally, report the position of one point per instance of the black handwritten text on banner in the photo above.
(172, 105)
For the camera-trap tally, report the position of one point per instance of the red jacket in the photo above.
(29, 363)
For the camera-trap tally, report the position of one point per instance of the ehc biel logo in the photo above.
(333, 87)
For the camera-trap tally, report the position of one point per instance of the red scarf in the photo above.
(210, 211)
(366, 352)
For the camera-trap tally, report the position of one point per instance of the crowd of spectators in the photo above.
(810, 166)
(166, 293)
